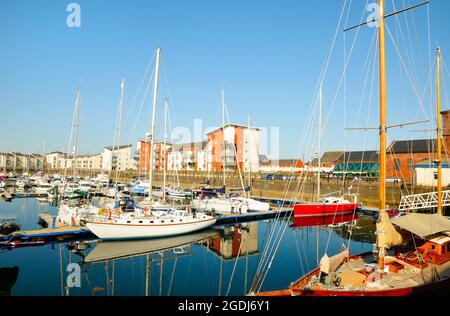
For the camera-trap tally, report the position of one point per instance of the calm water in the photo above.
(220, 261)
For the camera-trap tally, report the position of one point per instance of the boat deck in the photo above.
(355, 270)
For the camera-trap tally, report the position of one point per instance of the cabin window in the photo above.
(435, 176)
(151, 222)
(162, 222)
(171, 221)
(128, 222)
(448, 247)
(140, 222)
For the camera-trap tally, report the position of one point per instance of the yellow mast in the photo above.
(382, 178)
(439, 139)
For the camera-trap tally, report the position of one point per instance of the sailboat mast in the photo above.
(152, 133)
(382, 179)
(119, 126)
(223, 135)
(165, 149)
(382, 65)
(320, 139)
(438, 136)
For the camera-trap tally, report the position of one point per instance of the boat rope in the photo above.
(268, 256)
(144, 98)
(298, 253)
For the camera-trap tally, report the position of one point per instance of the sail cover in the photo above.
(387, 235)
(423, 225)
(329, 264)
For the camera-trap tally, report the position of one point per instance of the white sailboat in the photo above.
(149, 224)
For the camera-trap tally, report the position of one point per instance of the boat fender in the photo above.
(109, 214)
(73, 221)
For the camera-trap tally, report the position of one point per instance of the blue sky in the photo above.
(268, 54)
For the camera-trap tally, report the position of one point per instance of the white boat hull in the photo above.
(145, 231)
(234, 205)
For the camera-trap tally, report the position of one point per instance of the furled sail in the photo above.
(387, 235)
(329, 264)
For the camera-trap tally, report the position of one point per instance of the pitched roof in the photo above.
(412, 146)
(328, 157)
(360, 156)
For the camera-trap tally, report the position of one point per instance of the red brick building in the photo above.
(402, 157)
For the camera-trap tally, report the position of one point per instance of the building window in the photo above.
(397, 164)
(411, 164)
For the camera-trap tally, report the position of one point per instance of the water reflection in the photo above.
(219, 261)
(8, 277)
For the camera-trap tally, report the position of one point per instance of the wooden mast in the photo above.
(319, 163)
(382, 177)
(152, 133)
(438, 136)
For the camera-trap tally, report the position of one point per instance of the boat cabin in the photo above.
(436, 250)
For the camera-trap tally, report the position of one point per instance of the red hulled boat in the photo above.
(326, 207)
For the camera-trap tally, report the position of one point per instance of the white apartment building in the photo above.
(119, 158)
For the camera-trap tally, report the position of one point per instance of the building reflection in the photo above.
(231, 242)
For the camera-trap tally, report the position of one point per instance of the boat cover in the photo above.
(423, 225)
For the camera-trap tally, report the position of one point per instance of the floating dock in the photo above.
(54, 231)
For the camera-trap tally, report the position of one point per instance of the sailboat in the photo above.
(420, 266)
(148, 224)
(326, 206)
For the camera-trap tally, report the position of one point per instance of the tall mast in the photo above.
(223, 135)
(152, 133)
(320, 136)
(164, 150)
(75, 147)
(382, 178)
(438, 136)
(117, 136)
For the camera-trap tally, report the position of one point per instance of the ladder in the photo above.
(411, 203)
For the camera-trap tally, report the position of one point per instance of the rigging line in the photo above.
(174, 167)
(341, 78)
(272, 234)
(140, 86)
(369, 65)
(141, 106)
(408, 46)
(407, 72)
(235, 154)
(298, 252)
(366, 65)
(326, 65)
